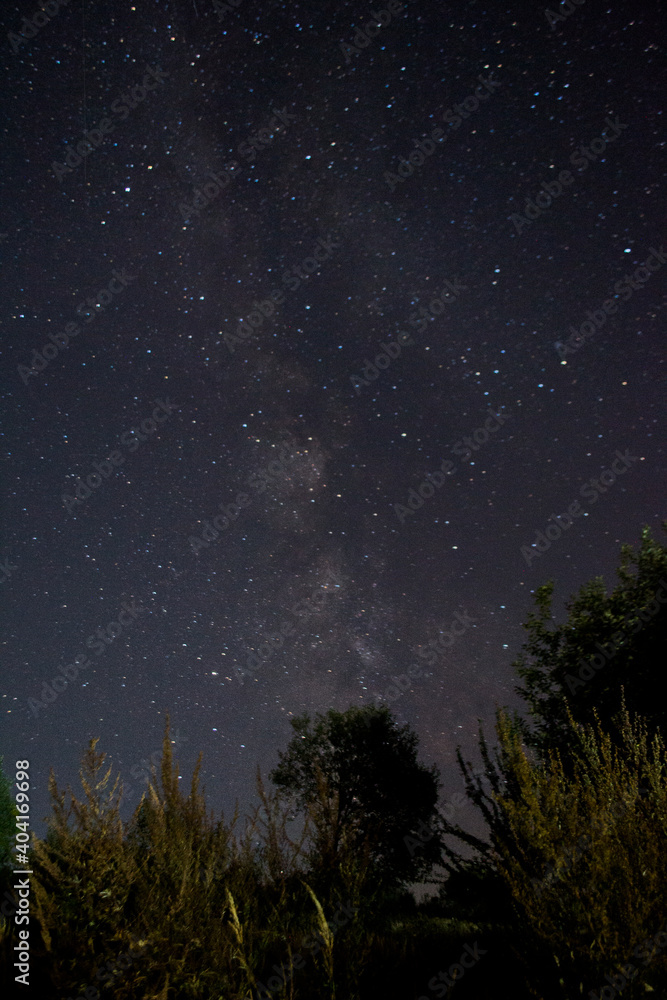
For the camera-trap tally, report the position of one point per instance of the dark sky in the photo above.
(470, 284)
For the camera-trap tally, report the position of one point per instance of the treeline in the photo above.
(310, 896)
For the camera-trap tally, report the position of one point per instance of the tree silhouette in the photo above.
(607, 642)
(357, 776)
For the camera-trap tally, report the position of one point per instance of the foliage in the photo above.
(579, 888)
(565, 890)
(579, 847)
(194, 910)
(585, 858)
(82, 877)
(607, 641)
(357, 776)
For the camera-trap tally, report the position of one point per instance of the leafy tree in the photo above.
(608, 641)
(82, 876)
(172, 903)
(585, 861)
(181, 856)
(580, 847)
(357, 776)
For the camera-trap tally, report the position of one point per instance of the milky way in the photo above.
(260, 328)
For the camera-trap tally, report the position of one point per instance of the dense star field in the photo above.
(330, 332)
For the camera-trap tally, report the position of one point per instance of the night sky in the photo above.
(200, 452)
